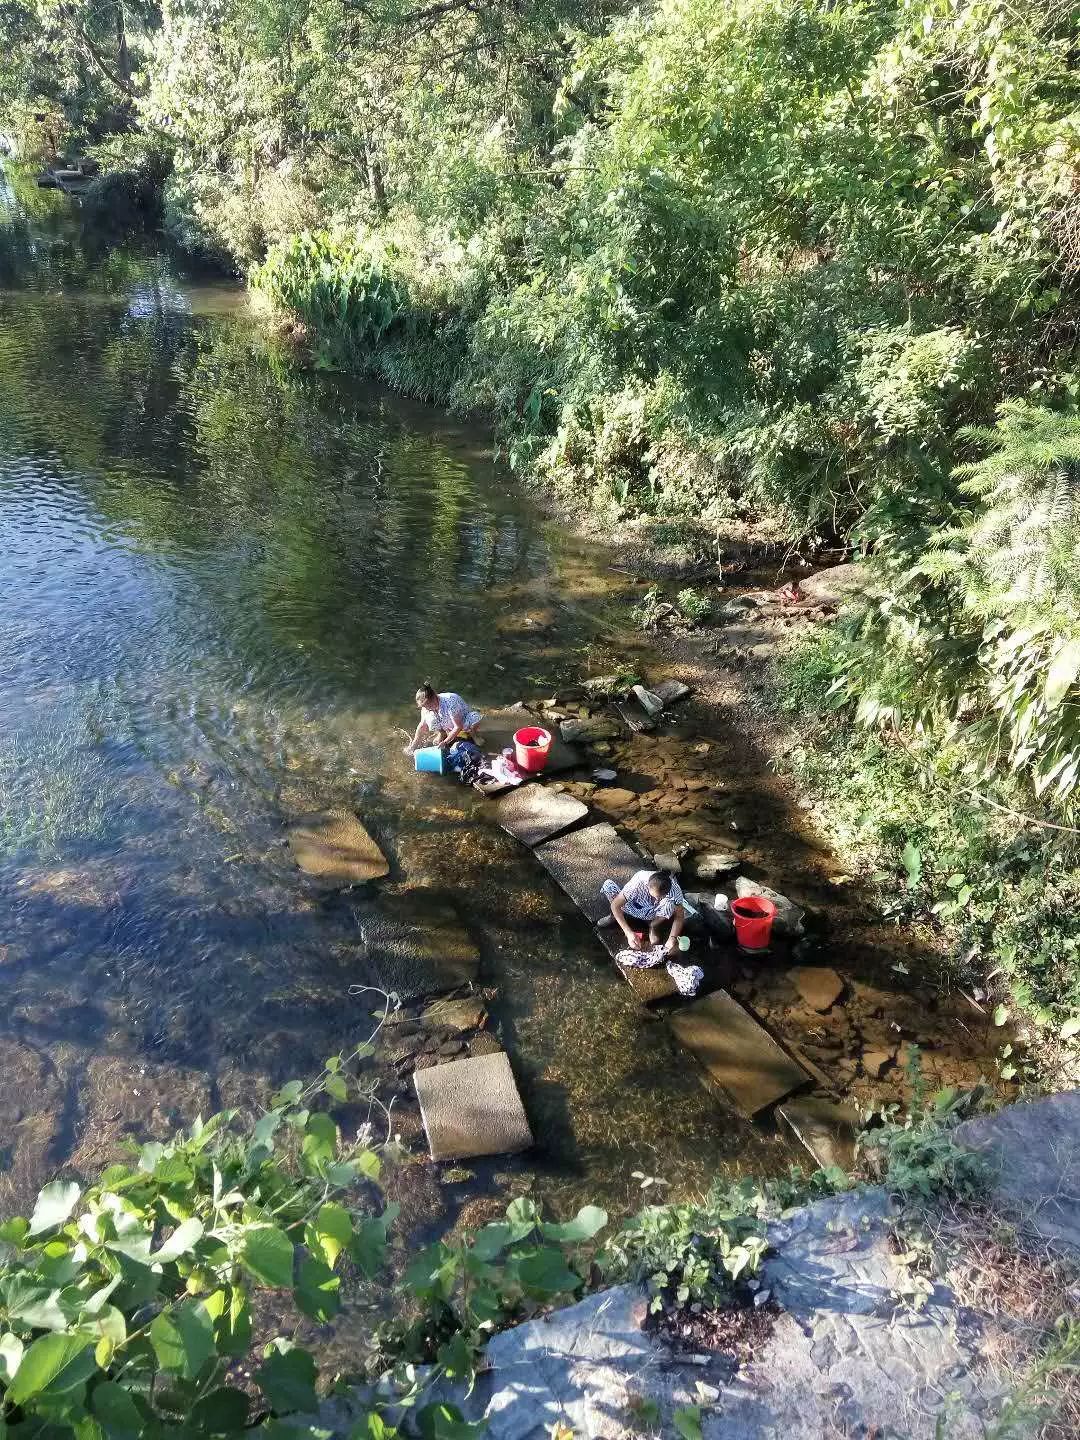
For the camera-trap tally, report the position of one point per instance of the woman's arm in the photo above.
(618, 905)
(678, 920)
(411, 746)
(449, 736)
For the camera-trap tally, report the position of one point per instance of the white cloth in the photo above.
(452, 710)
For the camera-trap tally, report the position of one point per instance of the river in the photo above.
(223, 577)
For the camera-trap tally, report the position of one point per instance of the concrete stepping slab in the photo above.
(472, 1107)
(333, 846)
(828, 1130)
(739, 1054)
(497, 732)
(649, 986)
(413, 943)
(533, 814)
(582, 861)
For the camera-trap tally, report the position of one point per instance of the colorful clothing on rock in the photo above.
(452, 710)
(640, 903)
(687, 978)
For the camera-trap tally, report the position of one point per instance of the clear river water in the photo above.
(223, 577)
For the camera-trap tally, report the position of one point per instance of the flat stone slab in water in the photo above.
(414, 943)
(533, 814)
(741, 1056)
(497, 732)
(649, 986)
(581, 862)
(826, 1129)
(332, 845)
(472, 1107)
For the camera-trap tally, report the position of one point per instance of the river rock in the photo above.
(600, 686)
(819, 986)
(457, 1015)
(714, 864)
(667, 860)
(875, 1061)
(604, 777)
(614, 799)
(670, 691)
(333, 846)
(789, 918)
(588, 728)
(833, 586)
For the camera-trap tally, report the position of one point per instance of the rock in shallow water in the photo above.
(819, 986)
(333, 846)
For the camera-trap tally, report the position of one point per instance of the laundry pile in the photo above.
(687, 978)
(472, 767)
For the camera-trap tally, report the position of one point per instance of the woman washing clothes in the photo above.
(649, 898)
(446, 717)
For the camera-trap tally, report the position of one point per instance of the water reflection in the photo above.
(224, 577)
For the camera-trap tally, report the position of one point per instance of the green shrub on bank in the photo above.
(903, 813)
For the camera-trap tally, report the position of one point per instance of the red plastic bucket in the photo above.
(531, 746)
(753, 916)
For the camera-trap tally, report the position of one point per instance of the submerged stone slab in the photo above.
(818, 985)
(739, 1054)
(472, 1107)
(414, 943)
(826, 1129)
(497, 732)
(533, 814)
(333, 846)
(581, 862)
(671, 690)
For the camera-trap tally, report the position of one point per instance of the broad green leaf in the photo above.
(266, 1127)
(221, 1411)
(287, 1379)
(1071, 1027)
(687, 1421)
(231, 1315)
(368, 1248)
(335, 1086)
(108, 1324)
(491, 1241)
(267, 1254)
(589, 1221)
(15, 1231)
(1062, 673)
(180, 1242)
(1000, 1015)
(54, 1205)
(115, 1408)
(522, 1212)
(289, 1093)
(547, 1273)
(11, 1353)
(457, 1359)
(317, 1290)
(333, 1226)
(32, 1304)
(183, 1338)
(320, 1140)
(53, 1364)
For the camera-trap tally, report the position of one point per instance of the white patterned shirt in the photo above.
(642, 905)
(452, 711)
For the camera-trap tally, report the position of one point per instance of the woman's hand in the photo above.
(635, 939)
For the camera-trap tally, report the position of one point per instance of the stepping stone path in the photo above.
(333, 846)
(498, 727)
(580, 862)
(472, 1107)
(533, 814)
(828, 1130)
(819, 986)
(414, 944)
(741, 1056)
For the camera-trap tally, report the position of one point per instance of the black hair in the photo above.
(427, 690)
(660, 882)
